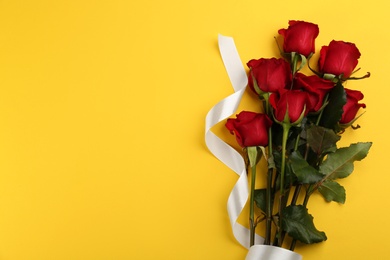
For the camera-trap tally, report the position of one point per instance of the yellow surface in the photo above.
(102, 107)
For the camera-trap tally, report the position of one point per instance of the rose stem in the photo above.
(253, 159)
(286, 128)
(269, 195)
(251, 206)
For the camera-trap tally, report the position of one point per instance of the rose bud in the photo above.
(269, 74)
(250, 128)
(352, 106)
(316, 87)
(338, 58)
(290, 105)
(299, 37)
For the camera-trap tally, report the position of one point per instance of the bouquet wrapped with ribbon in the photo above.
(296, 131)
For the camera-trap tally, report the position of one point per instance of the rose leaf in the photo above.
(259, 197)
(332, 191)
(340, 163)
(322, 140)
(334, 110)
(305, 173)
(298, 223)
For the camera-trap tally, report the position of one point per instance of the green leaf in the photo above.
(277, 155)
(259, 197)
(289, 178)
(334, 110)
(303, 171)
(332, 191)
(298, 223)
(340, 163)
(322, 140)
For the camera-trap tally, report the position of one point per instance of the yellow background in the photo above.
(102, 107)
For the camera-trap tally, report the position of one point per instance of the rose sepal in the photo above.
(330, 77)
(287, 121)
(254, 154)
(321, 108)
(262, 94)
(326, 76)
(334, 78)
(296, 58)
(345, 126)
(255, 85)
(367, 75)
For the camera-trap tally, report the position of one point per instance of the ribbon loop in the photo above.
(230, 157)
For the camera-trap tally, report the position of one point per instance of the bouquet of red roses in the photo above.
(303, 117)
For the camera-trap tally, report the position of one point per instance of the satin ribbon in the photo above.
(230, 157)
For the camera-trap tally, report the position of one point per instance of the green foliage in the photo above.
(334, 110)
(305, 173)
(259, 197)
(289, 178)
(332, 191)
(322, 140)
(298, 223)
(340, 163)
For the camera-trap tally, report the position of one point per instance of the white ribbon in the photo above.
(264, 252)
(229, 156)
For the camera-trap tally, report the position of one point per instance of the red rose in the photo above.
(299, 37)
(251, 129)
(270, 74)
(292, 102)
(352, 106)
(339, 58)
(316, 87)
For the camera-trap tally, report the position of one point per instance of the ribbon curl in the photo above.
(230, 157)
